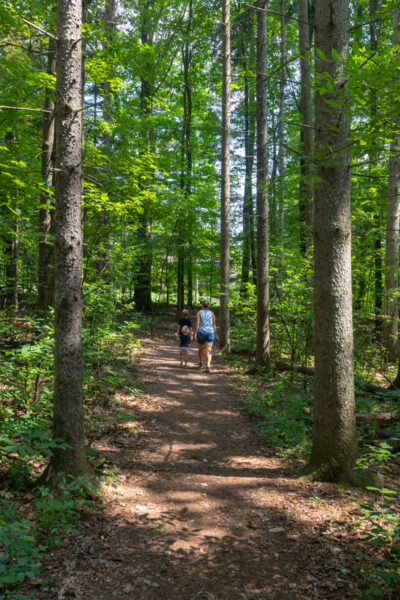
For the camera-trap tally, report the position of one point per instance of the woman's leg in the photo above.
(201, 352)
(208, 353)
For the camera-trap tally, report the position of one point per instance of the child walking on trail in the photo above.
(184, 341)
(184, 320)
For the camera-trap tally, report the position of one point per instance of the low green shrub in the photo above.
(19, 555)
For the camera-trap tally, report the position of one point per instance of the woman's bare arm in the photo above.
(214, 325)
(197, 324)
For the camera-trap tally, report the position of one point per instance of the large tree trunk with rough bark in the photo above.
(334, 435)
(68, 394)
(225, 178)
(391, 312)
(263, 357)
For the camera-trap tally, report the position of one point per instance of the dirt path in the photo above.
(202, 511)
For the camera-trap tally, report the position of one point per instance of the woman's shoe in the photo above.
(208, 369)
(200, 364)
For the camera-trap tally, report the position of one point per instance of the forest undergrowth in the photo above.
(34, 520)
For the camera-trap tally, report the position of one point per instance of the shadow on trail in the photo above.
(201, 512)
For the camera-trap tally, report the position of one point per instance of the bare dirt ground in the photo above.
(201, 509)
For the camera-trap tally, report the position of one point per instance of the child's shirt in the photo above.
(184, 321)
(185, 340)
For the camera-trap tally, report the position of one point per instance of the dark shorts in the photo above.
(204, 337)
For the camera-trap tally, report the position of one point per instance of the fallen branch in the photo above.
(380, 418)
(280, 365)
(370, 388)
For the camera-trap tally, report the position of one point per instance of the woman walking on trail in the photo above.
(205, 331)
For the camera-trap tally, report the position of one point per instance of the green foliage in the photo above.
(282, 413)
(379, 455)
(244, 304)
(382, 528)
(57, 511)
(19, 555)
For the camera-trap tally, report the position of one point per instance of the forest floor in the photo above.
(201, 509)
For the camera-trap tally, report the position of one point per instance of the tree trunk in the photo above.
(281, 150)
(188, 146)
(273, 214)
(373, 104)
(249, 139)
(391, 311)
(184, 215)
(68, 394)
(103, 219)
(334, 435)
(225, 179)
(307, 130)
(181, 267)
(142, 293)
(190, 277)
(263, 357)
(11, 251)
(46, 246)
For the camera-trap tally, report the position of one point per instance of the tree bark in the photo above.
(249, 139)
(263, 334)
(142, 293)
(307, 130)
(46, 246)
(102, 260)
(281, 153)
(68, 394)
(334, 447)
(391, 310)
(184, 219)
(225, 179)
(373, 105)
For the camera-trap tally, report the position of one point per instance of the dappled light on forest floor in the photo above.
(197, 507)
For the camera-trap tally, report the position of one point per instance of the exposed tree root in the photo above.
(332, 472)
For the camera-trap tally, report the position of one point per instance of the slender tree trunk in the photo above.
(225, 178)
(196, 290)
(334, 435)
(11, 252)
(281, 152)
(273, 212)
(188, 144)
(390, 323)
(249, 139)
(181, 271)
(46, 246)
(263, 357)
(68, 394)
(307, 131)
(15, 257)
(142, 294)
(190, 277)
(102, 261)
(390, 330)
(373, 104)
(185, 220)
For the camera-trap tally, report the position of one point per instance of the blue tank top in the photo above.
(206, 322)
